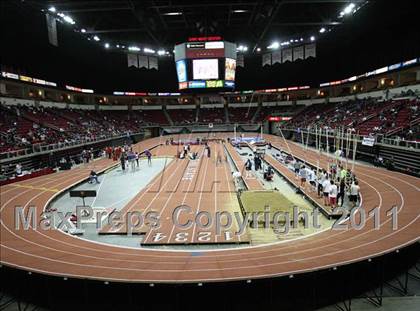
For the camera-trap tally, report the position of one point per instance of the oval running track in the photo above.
(56, 253)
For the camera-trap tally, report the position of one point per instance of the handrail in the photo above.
(379, 139)
(39, 147)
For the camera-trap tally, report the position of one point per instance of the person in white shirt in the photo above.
(333, 194)
(321, 177)
(312, 179)
(326, 190)
(354, 193)
(303, 173)
(18, 169)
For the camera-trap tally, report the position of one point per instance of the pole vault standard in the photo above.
(328, 145)
(348, 133)
(287, 145)
(307, 138)
(318, 148)
(320, 140)
(301, 138)
(354, 150)
(249, 105)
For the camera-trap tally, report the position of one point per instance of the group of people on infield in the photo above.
(333, 185)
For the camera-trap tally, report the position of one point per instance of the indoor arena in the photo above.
(223, 155)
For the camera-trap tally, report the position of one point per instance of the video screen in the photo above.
(205, 69)
(230, 68)
(181, 70)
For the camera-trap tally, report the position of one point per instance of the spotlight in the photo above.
(312, 38)
(322, 30)
(239, 11)
(107, 45)
(52, 9)
(133, 48)
(274, 45)
(96, 38)
(82, 30)
(258, 49)
(161, 52)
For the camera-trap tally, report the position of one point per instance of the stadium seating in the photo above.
(241, 114)
(184, 116)
(22, 127)
(211, 115)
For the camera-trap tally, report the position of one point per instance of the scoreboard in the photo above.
(205, 64)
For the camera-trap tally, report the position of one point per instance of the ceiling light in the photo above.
(161, 52)
(107, 45)
(68, 19)
(118, 46)
(301, 39)
(96, 38)
(322, 30)
(83, 30)
(172, 13)
(147, 50)
(52, 9)
(242, 48)
(274, 45)
(133, 48)
(239, 11)
(258, 49)
(349, 9)
(312, 38)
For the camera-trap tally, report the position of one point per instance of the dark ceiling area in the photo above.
(163, 23)
(379, 34)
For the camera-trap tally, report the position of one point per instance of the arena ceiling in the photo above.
(163, 23)
(379, 34)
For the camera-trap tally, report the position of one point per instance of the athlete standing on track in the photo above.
(354, 193)
(326, 190)
(303, 173)
(341, 190)
(208, 151)
(333, 194)
(149, 156)
(122, 160)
